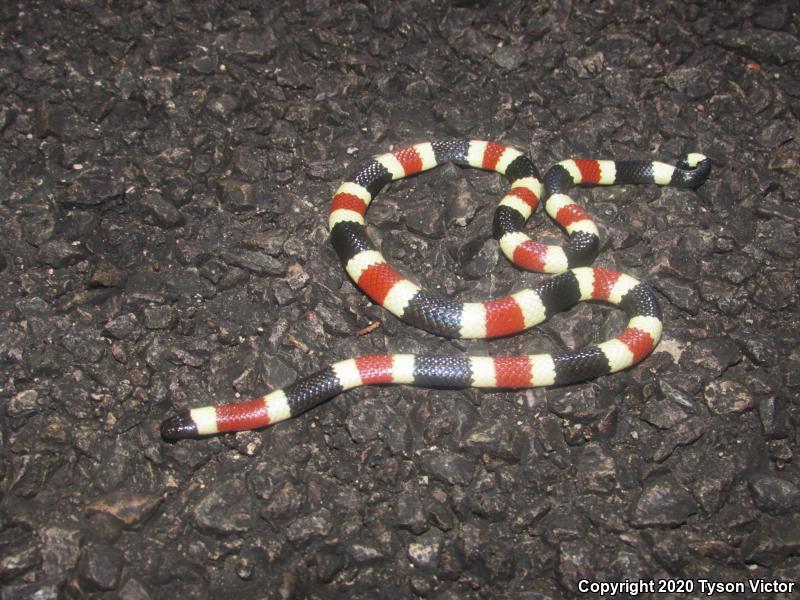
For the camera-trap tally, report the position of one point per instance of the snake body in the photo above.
(575, 282)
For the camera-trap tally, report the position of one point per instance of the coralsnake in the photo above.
(575, 282)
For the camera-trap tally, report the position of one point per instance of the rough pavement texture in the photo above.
(164, 180)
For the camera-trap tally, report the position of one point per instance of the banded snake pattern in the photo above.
(574, 282)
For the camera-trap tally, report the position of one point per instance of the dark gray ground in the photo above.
(164, 180)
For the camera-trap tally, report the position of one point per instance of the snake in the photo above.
(573, 281)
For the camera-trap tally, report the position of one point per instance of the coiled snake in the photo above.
(575, 282)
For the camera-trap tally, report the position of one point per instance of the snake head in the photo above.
(179, 427)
